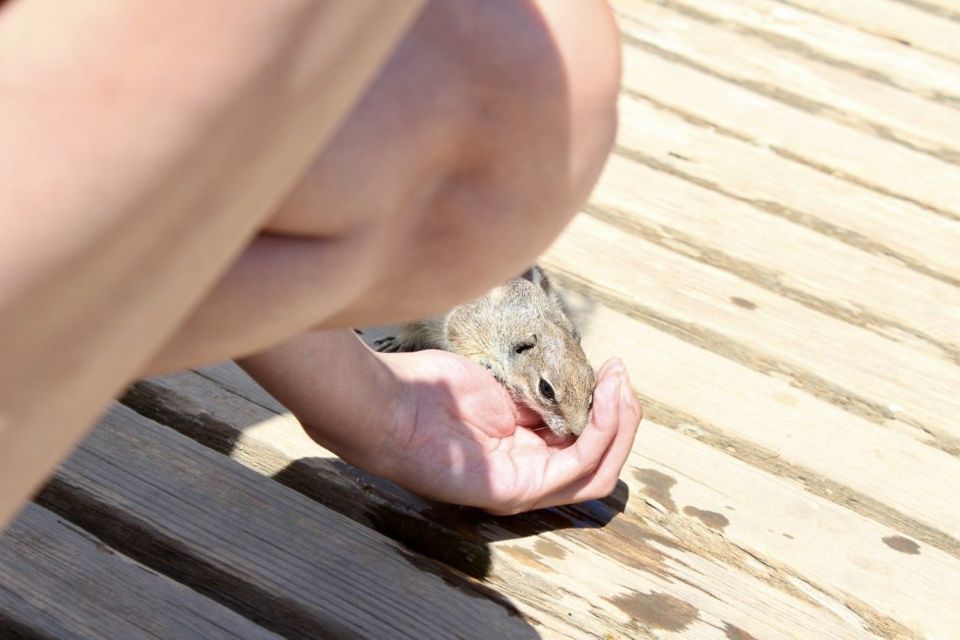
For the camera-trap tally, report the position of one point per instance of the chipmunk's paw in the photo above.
(388, 344)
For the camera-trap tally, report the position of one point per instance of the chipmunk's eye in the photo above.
(546, 390)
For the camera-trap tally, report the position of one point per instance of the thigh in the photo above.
(477, 143)
(468, 155)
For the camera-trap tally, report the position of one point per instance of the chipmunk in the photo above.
(521, 332)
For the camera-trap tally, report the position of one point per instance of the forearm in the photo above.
(142, 147)
(344, 395)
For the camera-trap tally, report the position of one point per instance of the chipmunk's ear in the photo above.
(525, 345)
(536, 275)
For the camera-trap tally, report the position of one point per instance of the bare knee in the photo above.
(465, 184)
(540, 122)
(551, 98)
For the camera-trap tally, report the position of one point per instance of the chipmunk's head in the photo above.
(551, 375)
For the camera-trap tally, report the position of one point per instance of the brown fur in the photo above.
(527, 315)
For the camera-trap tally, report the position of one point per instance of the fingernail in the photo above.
(607, 394)
(616, 366)
(626, 393)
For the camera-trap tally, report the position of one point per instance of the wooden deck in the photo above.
(774, 250)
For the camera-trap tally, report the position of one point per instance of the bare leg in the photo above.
(475, 146)
(141, 146)
(468, 156)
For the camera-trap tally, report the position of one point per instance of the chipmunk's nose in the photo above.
(577, 426)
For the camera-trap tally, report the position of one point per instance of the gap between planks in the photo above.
(559, 561)
(944, 8)
(841, 210)
(787, 259)
(887, 382)
(830, 42)
(814, 518)
(801, 82)
(794, 134)
(282, 560)
(882, 473)
(897, 21)
(59, 582)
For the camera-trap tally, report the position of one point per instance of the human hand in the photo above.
(457, 436)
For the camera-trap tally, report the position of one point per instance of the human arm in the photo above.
(441, 426)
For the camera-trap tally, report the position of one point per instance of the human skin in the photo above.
(445, 428)
(144, 145)
(180, 209)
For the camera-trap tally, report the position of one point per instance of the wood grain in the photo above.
(771, 333)
(879, 164)
(896, 21)
(791, 260)
(556, 564)
(944, 8)
(832, 206)
(814, 86)
(817, 541)
(826, 545)
(59, 582)
(840, 44)
(282, 560)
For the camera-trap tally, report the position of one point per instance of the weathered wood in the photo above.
(784, 258)
(763, 418)
(712, 392)
(771, 333)
(799, 80)
(838, 43)
(944, 8)
(882, 165)
(815, 540)
(59, 582)
(848, 212)
(807, 538)
(279, 558)
(896, 21)
(603, 580)
(230, 413)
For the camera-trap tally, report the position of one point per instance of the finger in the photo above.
(603, 480)
(581, 458)
(612, 362)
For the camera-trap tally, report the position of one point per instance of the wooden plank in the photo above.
(276, 556)
(881, 165)
(604, 581)
(818, 87)
(845, 211)
(815, 540)
(884, 472)
(59, 582)
(837, 43)
(943, 8)
(788, 259)
(897, 21)
(741, 320)
(847, 555)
